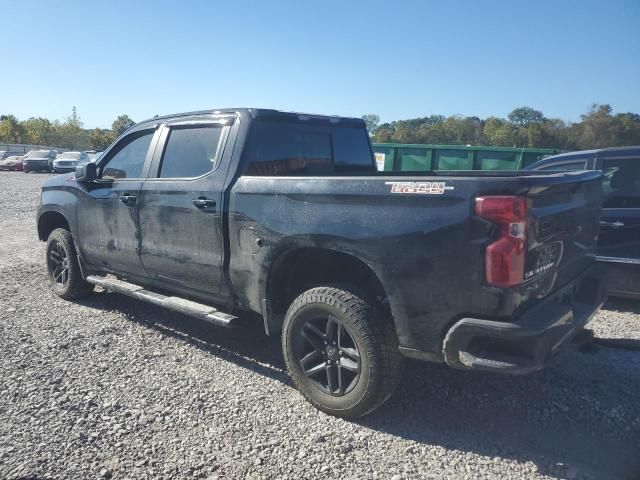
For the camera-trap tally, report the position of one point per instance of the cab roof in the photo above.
(256, 113)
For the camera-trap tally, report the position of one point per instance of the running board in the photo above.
(177, 304)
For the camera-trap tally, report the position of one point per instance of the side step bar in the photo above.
(177, 304)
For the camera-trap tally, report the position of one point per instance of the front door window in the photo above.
(128, 160)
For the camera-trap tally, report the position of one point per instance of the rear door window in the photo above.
(190, 151)
(621, 184)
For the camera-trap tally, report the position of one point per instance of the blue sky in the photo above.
(399, 59)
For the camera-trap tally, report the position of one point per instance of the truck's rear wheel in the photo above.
(62, 265)
(339, 351)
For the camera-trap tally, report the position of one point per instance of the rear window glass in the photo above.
(283, 148)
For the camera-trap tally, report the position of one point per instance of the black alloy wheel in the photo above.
(63, 267)
(328, 355)
(58, 263)
(341, 350)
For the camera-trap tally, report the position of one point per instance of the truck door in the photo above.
(619, 241)
(181, 218)
(107, 209)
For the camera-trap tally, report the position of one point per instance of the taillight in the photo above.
(504, 258)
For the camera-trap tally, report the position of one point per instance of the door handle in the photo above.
(129, 200)
(203, 203)
(616, 224)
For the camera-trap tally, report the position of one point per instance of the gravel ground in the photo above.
(109, 387)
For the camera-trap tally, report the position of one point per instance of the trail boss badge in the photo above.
(423, 188)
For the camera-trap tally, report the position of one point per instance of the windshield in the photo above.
(38, 154)
(70, 156)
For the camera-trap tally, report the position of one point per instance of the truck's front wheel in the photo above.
(62, 265)
(340, 352)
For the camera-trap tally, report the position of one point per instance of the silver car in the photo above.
(68, 161)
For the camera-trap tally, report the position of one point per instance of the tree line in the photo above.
(523, 127)
(68, 133)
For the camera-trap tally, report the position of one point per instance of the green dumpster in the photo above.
(401, 157)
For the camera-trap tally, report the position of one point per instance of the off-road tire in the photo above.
(380, 363)
(74, 286)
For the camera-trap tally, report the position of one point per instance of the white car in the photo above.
(94, 156)
(68, 161)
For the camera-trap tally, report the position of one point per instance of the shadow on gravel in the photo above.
(563, 418)
(560, 418)
(245, 345)
(30, 477)
(619, 343)
(622, 305)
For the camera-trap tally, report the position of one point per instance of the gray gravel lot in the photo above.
(113, 388)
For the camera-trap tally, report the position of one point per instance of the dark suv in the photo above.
(39, 161)
(619, 241)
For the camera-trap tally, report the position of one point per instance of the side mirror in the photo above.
(86, 172)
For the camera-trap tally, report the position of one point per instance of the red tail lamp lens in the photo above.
(504, 258)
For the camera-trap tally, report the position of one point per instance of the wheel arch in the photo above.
(297, 270)
(49, 220)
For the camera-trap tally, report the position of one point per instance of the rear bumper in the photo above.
(525, 344)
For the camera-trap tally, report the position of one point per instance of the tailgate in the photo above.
(562, 228)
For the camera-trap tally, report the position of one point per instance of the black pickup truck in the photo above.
(217, 212)
(619, 240)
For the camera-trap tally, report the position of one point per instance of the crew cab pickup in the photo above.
(215, 213)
